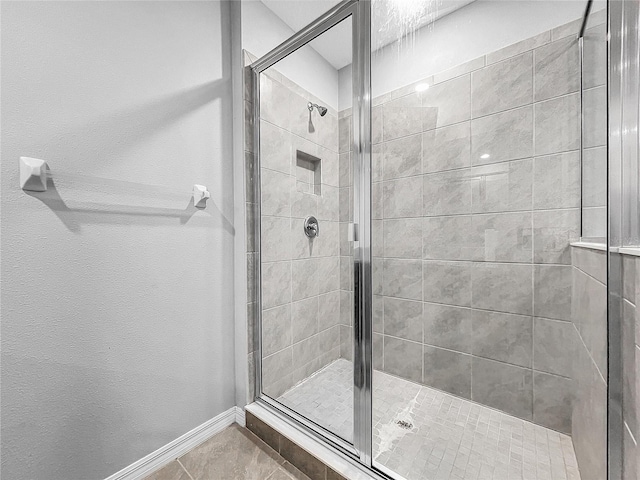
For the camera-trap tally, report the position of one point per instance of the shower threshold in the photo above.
(423, 433)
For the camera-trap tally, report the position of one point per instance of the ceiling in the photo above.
(391, 20)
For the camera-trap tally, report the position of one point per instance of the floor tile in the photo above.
(235, 453)
(421, 432)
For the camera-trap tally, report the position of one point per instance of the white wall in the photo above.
(117, 310)
(263, 30)
(468, 33)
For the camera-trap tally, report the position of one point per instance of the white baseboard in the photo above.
(240, 418)
(164, 455)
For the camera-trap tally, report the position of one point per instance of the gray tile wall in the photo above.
(631, 367)
(588, 346)
(251, 208)
(476, 199)
(594, 160)
(300, 276)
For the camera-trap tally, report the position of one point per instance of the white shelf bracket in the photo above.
(200, 196)
(33, 174)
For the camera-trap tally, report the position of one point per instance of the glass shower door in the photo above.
(306, 208)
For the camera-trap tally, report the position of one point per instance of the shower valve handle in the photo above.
(311, 227)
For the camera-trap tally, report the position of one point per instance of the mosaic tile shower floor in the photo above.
(443, 438)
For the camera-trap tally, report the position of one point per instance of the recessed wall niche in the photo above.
(308, 173)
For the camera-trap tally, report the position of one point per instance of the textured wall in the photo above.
(117, 308)
(300, 276)
(476, 198)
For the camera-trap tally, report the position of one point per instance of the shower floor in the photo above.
(444, 437)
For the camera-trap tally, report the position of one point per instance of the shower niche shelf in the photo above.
(308, 173)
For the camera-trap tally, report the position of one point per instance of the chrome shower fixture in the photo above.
(321, 110)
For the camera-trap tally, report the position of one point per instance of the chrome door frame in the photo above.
(359, 11)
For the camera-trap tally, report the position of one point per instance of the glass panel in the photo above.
(594, 121)
(489, 343)
(306, 207)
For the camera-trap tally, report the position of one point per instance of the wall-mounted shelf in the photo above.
(35, 173)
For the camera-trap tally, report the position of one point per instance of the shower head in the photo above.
(321, 110)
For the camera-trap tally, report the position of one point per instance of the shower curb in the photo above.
(312, 457)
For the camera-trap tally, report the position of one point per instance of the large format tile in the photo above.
(502, 187)
(328, 204)
(504, 337)
(448, 238)
(519, 47)
(276, 329)
(589, 313)
(592, 262)
(402, 197)
(326, 275)
(504, 237)
(448, 327)
(447, 193)
(447, 103)
(276, 284)
(557, 68)
(275, 190)
(595, 56)
(233, 453)
(304, 356)
(553, 232)
(403, 318)
(402, 278)
(403, 238)
(557, 125)
(173, 471)
(275, 148)
(594, 223)
(304, 319)
(403, 358)
(595, 117)
(275, 101)
(376, 124)
(629, 394)
(502, 136)
(402, 117)
(594, 177)
(552, 291)
(275, 241)
(447, 370)
(304, 278)
(502, 287)
(447, 282)
(556, 181)
(502, 86)
(505, 387)
(328, 310)
(554, 342)
(326, 245)
(275, 368)
(402, 157)
(446, 148)
(553, 399)
(345, 139)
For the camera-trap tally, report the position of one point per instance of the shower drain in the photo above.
(404, 424)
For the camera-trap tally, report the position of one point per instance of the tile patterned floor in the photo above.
(233, 454)
(448, 437)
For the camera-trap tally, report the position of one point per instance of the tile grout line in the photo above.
(184, 468)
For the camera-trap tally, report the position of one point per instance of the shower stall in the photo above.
(428, 223)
